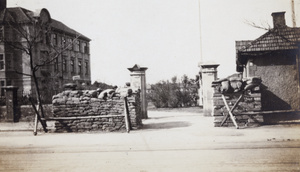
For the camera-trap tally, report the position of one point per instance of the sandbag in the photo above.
(218, 82)
(252, 82)
(236, 85)
(226, 87)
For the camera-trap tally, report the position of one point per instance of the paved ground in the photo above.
(169, 141)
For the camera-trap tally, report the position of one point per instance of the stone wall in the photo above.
(80, 110)
(250, 103)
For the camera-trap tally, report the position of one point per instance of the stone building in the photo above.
(274, 57)
(60, 54)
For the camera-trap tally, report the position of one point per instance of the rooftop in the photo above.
(22, 15)
(285, 38)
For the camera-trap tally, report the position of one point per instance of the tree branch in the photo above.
(26, 74)
(253, 24)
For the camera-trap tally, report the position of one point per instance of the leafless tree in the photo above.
(278, 32)
(28, 36)
(263, 25)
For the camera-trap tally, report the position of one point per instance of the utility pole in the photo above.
(200, 90)
(200, 34)
(293, 13)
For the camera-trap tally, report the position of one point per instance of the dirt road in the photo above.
(169, 141)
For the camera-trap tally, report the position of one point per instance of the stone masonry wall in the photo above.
(80, 110)
(250, 103)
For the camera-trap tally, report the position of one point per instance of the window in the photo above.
(54, 39)
(77, 45)
(64, 63)
(1, 33)
(63, 41)
(2, 84)
(70, 44)
(1, 62)
(86, 67)
(56, 64)
(72, 63)
(86, 48)
(83, 47)
(79, 67)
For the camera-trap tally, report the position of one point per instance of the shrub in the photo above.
(174, 94)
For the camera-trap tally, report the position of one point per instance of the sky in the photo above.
(169, 37)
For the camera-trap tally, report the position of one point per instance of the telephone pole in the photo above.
(293, 13)
(200, 34)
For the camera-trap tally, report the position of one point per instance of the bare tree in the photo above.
(29, 36)
(263, 25)
(278, 32)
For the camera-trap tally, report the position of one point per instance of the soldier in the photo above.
(108, 93)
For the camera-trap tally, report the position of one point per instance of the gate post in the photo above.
(138, 83)
(11, 104)
(209, 74)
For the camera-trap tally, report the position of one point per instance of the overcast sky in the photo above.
(167, 36)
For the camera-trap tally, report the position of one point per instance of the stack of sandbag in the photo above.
(252, 82)
(233, 84)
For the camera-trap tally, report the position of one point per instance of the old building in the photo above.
(274, 57)
(60, 54)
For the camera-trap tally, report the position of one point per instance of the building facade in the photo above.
(274, 57)
(34, 41)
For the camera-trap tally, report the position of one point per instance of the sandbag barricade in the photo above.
(237, 102)
(236, 84)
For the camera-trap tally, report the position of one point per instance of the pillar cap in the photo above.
(137, 68)
(208, 65)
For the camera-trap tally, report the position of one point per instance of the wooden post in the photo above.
(229, 111)
(232, 109)
(126, 114)
(35, 123)
(38, 116)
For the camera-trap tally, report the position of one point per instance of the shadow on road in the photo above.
(165, 125)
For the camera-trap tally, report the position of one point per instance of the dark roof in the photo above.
(21, 15)
(62, 27)
(285, 38)
(277, 39)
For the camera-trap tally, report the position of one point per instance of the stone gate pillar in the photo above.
(209, 74)
(11, 104)
(138, 83)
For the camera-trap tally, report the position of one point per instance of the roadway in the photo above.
(168, 141)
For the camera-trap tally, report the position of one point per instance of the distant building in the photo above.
(274, 57)
(70, 49)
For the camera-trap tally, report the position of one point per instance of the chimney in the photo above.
(278, 20)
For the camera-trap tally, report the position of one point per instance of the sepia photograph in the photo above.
(149, 85)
